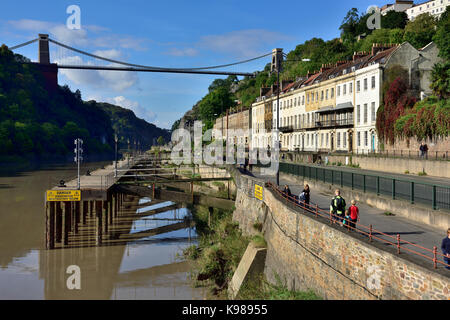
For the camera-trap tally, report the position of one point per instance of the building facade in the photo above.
(434, 7)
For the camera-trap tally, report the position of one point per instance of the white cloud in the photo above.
(244, 43)
(186, 52)
(139, 111)
(116, 80)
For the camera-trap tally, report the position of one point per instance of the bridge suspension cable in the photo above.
(23, 44)
(153, 67)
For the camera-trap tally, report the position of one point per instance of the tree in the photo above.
(161, 141)
(420, 31)
(440, 80)
(349, 25)
(442, 38)
(394, 20)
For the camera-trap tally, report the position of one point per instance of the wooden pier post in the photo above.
(85, 211)
(50, 234)
(66, 222)
(98, 212)
(58, 221)
(105, 216)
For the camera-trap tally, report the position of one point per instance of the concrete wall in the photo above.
(308, 253)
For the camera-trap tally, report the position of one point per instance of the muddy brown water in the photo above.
(144, 268)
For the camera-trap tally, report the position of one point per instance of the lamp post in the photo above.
(278, 106)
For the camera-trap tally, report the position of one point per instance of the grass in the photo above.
(259, 241)
(388, 213)
(219, 251)
(259, 289)
(422, 173)
(258, 226)
(355, 165)
(406, 171)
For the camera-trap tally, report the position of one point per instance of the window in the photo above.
(295, 122)
(338, 139)
(338, 91)
(365, 113)
(312, 97)
(366, 142)
(295, 102)
(332, 92)
(307, 98)
(317, 96)
(303, 100)
(358, 138)
(373, 82)
(327, 139)
(326, 94)
(345, 89)
(281, 104)
(321, 139)
(358, 114)
(321, 96)
(307, 139)
(365, 84)
(358, 86)
(344, 139)
(373, 116)
(350, 87)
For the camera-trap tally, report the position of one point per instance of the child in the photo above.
(346, 223)
(354, 214)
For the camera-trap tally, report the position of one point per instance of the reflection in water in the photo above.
(137, 264)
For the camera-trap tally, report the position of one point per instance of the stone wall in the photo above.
(306, 252)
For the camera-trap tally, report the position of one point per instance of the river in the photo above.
(148, 268)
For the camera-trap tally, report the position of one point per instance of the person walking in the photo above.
(425, 151)
(354, 215)
(445, 246)
(306, 196)
(422, 151)
(287, 191)
(337, 207)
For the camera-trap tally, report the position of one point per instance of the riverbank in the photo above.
(220, 248)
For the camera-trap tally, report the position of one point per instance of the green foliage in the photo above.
(394, 20)
(420, 31)
(161, 140)
(427, 119)
(381, 36)
(441, 37)
(440, 80)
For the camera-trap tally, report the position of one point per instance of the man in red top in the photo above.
(354, 215)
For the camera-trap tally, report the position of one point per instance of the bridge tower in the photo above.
(277, 59)
(49, 70)
(44, 51)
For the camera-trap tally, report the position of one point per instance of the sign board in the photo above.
(63, 195)
(258, 192)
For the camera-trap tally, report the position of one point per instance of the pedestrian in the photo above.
(425, 151)
(307, 196)
(287, 191)
(337, 207)
(354, 215)
(346, 222)
(445, 246)
(422, 150)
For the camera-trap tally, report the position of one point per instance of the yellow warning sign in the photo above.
(63, 195)
(258, 192)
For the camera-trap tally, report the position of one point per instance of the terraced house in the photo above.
(334, 109)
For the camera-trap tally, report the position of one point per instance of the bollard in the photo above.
(398, 243)
(50, 232)
(370, 233)
(434, 257)
(58, 222)
(98, 212)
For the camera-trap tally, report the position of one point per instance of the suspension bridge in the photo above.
(65, 59)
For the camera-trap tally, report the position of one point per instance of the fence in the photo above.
(436, 196)
(369, 231)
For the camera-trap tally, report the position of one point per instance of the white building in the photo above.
(398, 6)
(367, 101)
(434, 7)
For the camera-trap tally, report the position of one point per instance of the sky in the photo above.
(182, 34)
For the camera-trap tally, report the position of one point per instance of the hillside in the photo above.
(128, 126)
(37, 124)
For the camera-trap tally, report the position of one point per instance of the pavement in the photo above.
(410, 231)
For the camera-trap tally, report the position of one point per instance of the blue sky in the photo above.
(168, 34)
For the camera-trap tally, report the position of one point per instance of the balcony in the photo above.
(287, 129)
(334, 123)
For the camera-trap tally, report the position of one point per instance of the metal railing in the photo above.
(434, 195)
(410, 154)
(369, 231)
